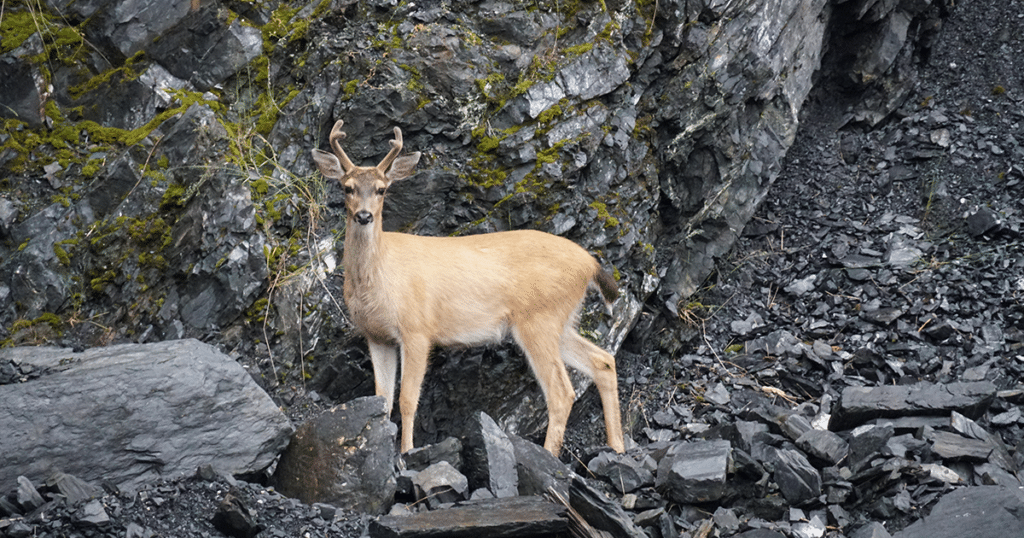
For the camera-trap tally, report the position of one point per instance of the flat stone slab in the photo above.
(134, 413)
(975, 511)
(507, 517)
(860, 404)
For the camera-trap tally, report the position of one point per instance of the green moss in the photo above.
(119, 75)
(99, 284)
(62, 255)
(349, 89)
(173, 198)
(604, 215)
(552, 113)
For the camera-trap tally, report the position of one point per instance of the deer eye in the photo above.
(349, 190)
(380, 191)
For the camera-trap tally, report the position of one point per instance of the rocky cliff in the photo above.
(157, 181)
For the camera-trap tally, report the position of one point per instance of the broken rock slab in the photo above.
(144, 412)
(860, 404)
(506, 517)
(974, 511)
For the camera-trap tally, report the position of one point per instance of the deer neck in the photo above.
(364, 246)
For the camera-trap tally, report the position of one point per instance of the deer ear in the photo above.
(403, 166)
(328, 164)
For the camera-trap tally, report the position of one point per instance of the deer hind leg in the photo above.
(541, 346)
(415, 352)
(599, 365)
(385, 366)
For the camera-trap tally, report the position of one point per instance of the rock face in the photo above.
(130, 414)
(161, 185)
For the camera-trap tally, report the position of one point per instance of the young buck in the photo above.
(408, 293)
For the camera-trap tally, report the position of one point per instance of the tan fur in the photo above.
(410, 293)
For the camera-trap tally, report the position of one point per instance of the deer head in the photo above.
(365, 186)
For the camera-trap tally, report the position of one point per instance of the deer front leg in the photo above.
(385, 367)
(415, 351)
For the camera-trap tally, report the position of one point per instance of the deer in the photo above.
(407, 294)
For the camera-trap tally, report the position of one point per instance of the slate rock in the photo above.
(344, 457)
(26, 496)
(74, 489)
(622, 471)
(92, 514)
(205, 50)
(235, 518)
(824, 444)
(538, 470)
(694, 471)
(145, 411)
(798, 480)
(866, 441)
(490, 458)
(129, 26)
(601, 512)
(858, 404)
(873, 529)
(440, 484)
(508, 517)
(450, 450)
(23, 86)
(974, 511)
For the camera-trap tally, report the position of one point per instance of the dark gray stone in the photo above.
(508, 517)
(26, 496)
(973, 511)
(621, 471)
(858, 404)
(145, 412)
(694, 471)
(798, 480)
(74, 489)
(420, 458)
(873, 529)
(824, 444)
(490, 458)
(22, 84)
(866, 441)
(204, 50)
(92, 514)
(538, 470)
(440, 484)
(126, 27)
(344, 457)
(599, 511)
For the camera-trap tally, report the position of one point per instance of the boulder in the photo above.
(344, 457)
(132, 413)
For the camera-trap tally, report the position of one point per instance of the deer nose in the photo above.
(364, 217)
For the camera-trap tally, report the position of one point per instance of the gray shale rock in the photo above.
(130, 414)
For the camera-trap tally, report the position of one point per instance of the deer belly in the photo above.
(467, 330)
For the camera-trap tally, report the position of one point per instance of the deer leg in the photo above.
(599, 365)
(385, 366)
(415, 351)
(540, 345)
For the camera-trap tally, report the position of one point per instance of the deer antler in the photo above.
(396, 148)
(337, 135)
